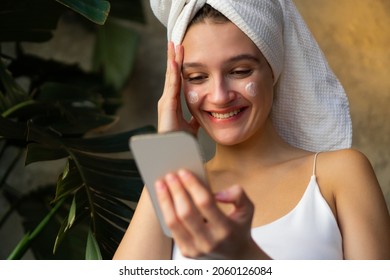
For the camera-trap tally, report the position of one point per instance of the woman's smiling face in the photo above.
(227, 82)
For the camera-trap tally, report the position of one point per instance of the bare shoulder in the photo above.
(358, 203)
(350, 156)
(345, 172)
(345, 165)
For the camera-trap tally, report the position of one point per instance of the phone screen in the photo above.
(158, 154)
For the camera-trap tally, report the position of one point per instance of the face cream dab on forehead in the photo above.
(250, 89)
(193, 97)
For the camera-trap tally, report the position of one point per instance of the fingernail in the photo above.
(159, 186)
(170, 177)
(184, 174)
(222, 195)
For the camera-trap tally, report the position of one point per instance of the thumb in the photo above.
(243, 207)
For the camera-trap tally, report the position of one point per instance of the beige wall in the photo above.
(355, 37)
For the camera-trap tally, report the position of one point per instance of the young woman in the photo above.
(284, 182)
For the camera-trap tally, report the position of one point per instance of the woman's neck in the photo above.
(265, 148)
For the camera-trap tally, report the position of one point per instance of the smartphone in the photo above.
(158, 154)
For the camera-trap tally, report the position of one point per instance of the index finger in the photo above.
(173, 72)
(203, 199)
(179, 56)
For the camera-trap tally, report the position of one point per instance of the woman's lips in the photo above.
(227, 115)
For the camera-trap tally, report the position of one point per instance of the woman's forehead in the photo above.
(204, 41)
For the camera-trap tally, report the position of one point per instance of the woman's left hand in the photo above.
(170, 113)
(199, 227)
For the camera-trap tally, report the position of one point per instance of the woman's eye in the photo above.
(241, 73)
(197, 78)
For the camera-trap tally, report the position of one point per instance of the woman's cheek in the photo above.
(251, 89)
(192, 97)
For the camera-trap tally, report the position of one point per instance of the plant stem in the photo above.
(88, 191)
(24, 244)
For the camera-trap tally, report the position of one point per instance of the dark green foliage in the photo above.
(85, 213)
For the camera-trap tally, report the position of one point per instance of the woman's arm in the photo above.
(361, 208)
(144, 238)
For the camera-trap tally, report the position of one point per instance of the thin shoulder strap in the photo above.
(315, 163)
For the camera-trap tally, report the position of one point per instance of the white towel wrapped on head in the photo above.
(310, 109)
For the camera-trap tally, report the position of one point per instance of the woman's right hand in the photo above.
(170, 113)
(199, 227)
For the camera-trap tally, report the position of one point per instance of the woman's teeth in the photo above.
(226, 115)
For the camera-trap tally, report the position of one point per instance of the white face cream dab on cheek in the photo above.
(193, 97)
(250, 89)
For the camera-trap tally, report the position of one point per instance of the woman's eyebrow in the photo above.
(243, 57)
(233, 59)
(192, 65)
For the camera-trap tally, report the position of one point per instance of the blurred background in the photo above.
(354, 35)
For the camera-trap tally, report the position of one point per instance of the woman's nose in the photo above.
(220, 92)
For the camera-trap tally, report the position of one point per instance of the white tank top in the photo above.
(309, 231)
